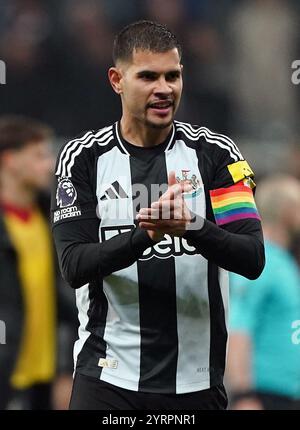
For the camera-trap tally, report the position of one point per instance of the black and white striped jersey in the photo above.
(152, 315)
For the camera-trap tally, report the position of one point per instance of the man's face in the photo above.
(151, 87)
(32, 165)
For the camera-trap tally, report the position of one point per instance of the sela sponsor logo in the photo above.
(169, 246)
(66, 193)
(71, 212)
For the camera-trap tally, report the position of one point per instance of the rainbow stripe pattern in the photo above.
(233, 203)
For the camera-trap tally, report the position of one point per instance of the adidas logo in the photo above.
(115, 191)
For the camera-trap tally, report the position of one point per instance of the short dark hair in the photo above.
(144, 35)
(17, 131)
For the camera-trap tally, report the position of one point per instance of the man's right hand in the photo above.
(167, 202)
(155, 235)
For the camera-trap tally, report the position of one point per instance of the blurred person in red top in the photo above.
(27, 265)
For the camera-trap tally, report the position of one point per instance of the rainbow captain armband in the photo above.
(233, 203)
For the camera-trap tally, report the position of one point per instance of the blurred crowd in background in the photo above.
(237, 63)
(237, 57)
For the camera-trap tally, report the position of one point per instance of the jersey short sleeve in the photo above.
(232, 188)
(73, 195)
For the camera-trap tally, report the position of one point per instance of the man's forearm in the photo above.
(81, 263)
(238, 375)
(238, 370)
(236, 252)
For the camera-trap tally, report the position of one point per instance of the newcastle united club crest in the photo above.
(186, 178)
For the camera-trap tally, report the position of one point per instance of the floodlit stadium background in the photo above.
(238, 57)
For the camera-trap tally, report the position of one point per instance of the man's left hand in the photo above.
(170, 214)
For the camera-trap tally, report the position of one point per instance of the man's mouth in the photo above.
(162, 107)
(162, 104)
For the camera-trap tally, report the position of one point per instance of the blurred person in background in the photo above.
(207, 97)
(27, 265)
(120, 15)
(264, 35)
(171, 13)
(88, 38)
(31, 62)
(263, 370)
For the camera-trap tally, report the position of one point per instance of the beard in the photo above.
(159, 126)
(156, 126)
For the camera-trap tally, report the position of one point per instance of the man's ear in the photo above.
(115, 77)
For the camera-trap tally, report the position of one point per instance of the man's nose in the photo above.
(163, 87)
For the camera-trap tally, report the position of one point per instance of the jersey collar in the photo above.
(122, 143)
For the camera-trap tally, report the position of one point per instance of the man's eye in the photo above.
(172, 76)
(147, 77)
